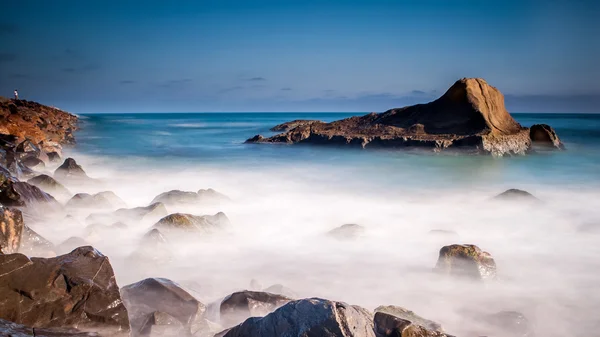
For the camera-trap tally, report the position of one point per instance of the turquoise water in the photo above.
(217, 139)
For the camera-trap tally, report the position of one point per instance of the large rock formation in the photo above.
(470, 115)
(70, 170)
(73, 290)
(309, 318)
(21, 194)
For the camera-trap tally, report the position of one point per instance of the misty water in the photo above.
(284, 199)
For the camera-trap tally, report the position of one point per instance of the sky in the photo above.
(225, 55)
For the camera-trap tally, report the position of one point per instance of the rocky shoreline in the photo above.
(69, 288)
(469, 117)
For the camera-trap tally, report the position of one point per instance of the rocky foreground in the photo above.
(470, 116)
(70, 289)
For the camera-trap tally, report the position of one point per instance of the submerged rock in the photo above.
(153, 211)
(388, 325)
(11, 230)
(70, 244)
(470, 116)
(106, 199)
(347, 232)
(184, 197)
(193, 223)
(409, 316)
(308, 318)
(514, 194)
(50, 185)
(294, 124)
(466, 261)
(73, 290)
(238, 306)
(70, 170)
(161, 304)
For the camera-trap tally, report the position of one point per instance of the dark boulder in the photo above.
(53, 157)
(466, 261)
(28, 147)
(193, 223)
(409, 316)
(238, 306)
(255, 139)
(73, 290)
(514, 194)
(11, 230)
(161, 303)
(308, 318)
(347, 232)
(70, 170)
(33, 162)
(544, 136)
(21, 194)
(387, 325)
(50, 185)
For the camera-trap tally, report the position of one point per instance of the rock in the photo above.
(308, 318)
(255, 285)
(70, 244)
(70, 170)
(347, 232)
(153, 249)
(28, 147)
(387, 325)
(409, 316)
(176, 197)
(466, 261)
(544, 136)
(238, 306)
(279, 289)
(11, 329)
(33, 244)
(470, 116)
(154, 237)
(53, 157)
(11, 230)
(508, 323)
(50, 185)
(294, 124)
(73, 290)
(33, 162)
(36, 122)
(153, 211)
(21, 194)
(514, 194)
(161, 302)
(106, 199)
(192, 223)
(210, 195)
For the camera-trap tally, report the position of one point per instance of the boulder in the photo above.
(312, 317)
(33, 162)
(238, 306)
(514, 194)
(544, 136)
(73, 290)
(53, 157)
(210, 195)
(176, 197)
(153, 249)
(347, 232)
(158, 303)
(33, 244)
(21, 194)
(50, 185)
(470, 116)
(70, 170)
(12, 329)
(11, 230)
(294, 124)
(409, 316)
(193, 223)
(153, 211)
(466, 261)
(387, 325)
(106, 199)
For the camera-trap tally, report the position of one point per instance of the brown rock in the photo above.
(466, 261)
(470, 116)
(543, 135)
(294, 124)
(408, 315)
(238, 306)
(193, 223)
(11, 230)
(50, 185)
(73, 290)
(12, 329)
(70, 170)
(387, 325)
(21, 194)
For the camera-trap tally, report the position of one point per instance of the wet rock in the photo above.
(514, 194)
(154, 237)
(11, 230)
(192, 223)
(466, 261)
(158, 303)
(33, 163)
(33, 244)
(210, 195)
(154, 211)
(408, 315)
(175, 197)
(544, 136)
(256, 139)
(70, 244)
(294, 124)
(70, 170)
(347, 232)
(53, 157)
(106, 199)
(238, 306)
(73, 290)
(12, 329)
(387, 325)
(279, 289)
(50, 185)
(308, 318)
(21, 194)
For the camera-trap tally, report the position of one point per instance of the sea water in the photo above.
(286, 197)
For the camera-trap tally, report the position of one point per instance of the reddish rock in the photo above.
(11, 230)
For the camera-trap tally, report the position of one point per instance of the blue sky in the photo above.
(221, 55)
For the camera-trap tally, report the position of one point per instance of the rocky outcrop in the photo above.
(16, 193)
(153, 211)
(70, 170)
(11, 230)
(193, 223)
(36, 122)
(470, 116)
(388, 325)
(294, 124)
(106, 199)
(155, 301)
(308, 318)
(347, 232)
(544, 136)
(467, 261)
(73, 290)
(238, 306)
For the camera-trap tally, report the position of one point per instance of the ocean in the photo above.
(284, 199)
